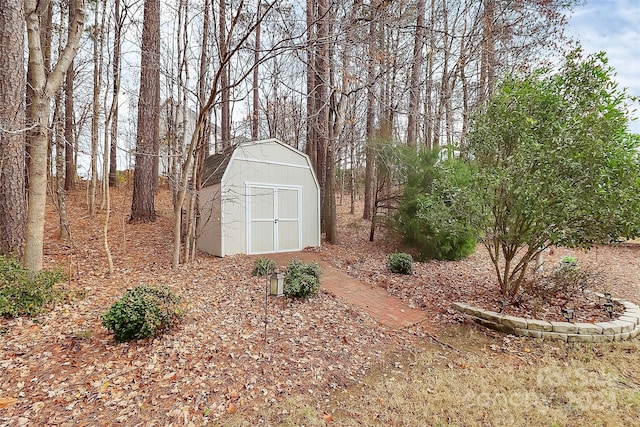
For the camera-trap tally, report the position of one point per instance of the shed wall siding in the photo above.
(209, 235)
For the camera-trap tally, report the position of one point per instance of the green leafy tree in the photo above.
(556, 165)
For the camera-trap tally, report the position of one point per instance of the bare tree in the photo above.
(44, 87)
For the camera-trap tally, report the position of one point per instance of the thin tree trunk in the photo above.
(428, 86)
(105, 230)
(113, 113)
(256, 75)
(370, 155)
(95, 117)
(202, 79)
(352, 178)
(69, 122)
(58, 126)
(225, 107)
(416, 68)
(105, 148)
(487, 60)
(322, 108)
(311, 142)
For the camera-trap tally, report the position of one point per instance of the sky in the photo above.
(612, 26)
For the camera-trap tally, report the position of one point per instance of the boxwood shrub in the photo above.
(400, 262)
(301, 280)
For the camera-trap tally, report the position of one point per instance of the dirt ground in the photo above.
(227, 355)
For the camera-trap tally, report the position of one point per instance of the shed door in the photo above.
(273, 218)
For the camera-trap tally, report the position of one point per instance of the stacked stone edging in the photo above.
(624, 327)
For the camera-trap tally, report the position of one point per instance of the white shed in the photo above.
(258, 197)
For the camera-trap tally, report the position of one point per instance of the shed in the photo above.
(258, 197)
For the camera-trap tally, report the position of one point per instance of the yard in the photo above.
(318, 361)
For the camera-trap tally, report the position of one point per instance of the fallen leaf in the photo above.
(7, 401)
(327, 417)
(232, 409)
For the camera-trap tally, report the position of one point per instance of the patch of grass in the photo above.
(83, 334)
(525, 382)
(293, 412)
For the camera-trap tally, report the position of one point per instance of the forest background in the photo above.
(158, 86)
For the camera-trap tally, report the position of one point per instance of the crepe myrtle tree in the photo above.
(555, 165)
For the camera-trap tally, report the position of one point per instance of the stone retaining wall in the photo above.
(624, 327)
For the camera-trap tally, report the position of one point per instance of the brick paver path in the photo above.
(386, 309)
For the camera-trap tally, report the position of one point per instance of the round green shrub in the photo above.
(400, 262)
(301, 280)
(142, 312)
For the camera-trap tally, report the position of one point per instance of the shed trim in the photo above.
(222, 221)
(271, 162)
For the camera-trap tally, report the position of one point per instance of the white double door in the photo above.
(273, 218)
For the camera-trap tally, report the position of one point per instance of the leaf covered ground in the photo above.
(63, 367)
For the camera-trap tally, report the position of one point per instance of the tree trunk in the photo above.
(12, 129)
(370, 155)
(310, 147)
(203, 82)
(428, 86)
(256, 75)
(142, 206)
(69, 122)
(58, 126)
(43, 89)
(414, 85)
(321, 97)
(225, 114)
(352, 178)
(113, 134)
(98, 37)
(487, 60)
(69, 146)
